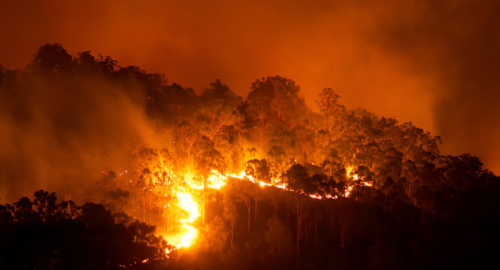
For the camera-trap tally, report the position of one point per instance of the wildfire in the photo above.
(239, 176)
(348, 191)
(186, 202)
(216, 180)
(349, 171)
(188, 234)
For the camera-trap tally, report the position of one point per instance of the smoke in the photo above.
(60, 132)
(318, 44)
(456, 45)
(429, 62)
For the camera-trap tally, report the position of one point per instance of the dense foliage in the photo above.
(47, 234)
(419, 209)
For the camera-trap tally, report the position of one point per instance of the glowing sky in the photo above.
(431, 63)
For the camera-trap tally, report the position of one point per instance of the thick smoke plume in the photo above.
(456, 45)
(60, 132)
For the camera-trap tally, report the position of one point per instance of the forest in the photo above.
(156, 176)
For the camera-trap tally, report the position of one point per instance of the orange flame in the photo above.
(186, 203)
(217, 180)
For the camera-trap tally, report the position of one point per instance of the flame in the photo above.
(348, 191)
(186, 203)
(216, 180)
(183, 186)
(315, 196)
(241, 175)
(348, 170)
(194, 185)
(187, 238)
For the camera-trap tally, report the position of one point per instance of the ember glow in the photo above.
(188, 232)
(187, 194)
(350, 172)
(270, 130)
(187, 202)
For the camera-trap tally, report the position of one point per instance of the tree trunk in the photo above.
(168, 221)
(232, 233)
(161, 217)
(143, 207)
(332, 224)
(342, 235)
(306, 230)
(287, 216)
(163, 223)
(255, 212)
(316, 228)
(149, 207)
(261, 134)
(298, 228)
(204, 199)
(249, 207)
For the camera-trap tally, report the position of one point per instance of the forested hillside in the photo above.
(277, 185)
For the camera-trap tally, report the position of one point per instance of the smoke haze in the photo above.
(420, 61)
(59, 137)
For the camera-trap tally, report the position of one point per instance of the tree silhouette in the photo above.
(53, 58)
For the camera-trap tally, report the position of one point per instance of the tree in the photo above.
(278, 159)
(45, 203)
(24, 210)
(331, 111)
(272, 101)
(260, 169)
(218, 112)
(53, 58)
(299, 180)
(92, 239)
(216, 236)
(278, 238)
(230, 212)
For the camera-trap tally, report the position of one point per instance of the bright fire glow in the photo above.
(348, 191)
(194, 185)
(216, 180)
(348, 171)
(188, 236)
(239, 176)
(186, 203)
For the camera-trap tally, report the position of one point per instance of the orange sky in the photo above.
(418, 61)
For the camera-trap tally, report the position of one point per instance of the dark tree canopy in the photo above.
(336, 189)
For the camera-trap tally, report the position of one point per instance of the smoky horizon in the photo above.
(254, 134)
(433, 64)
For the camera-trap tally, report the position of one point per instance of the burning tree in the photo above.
(199, 166)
